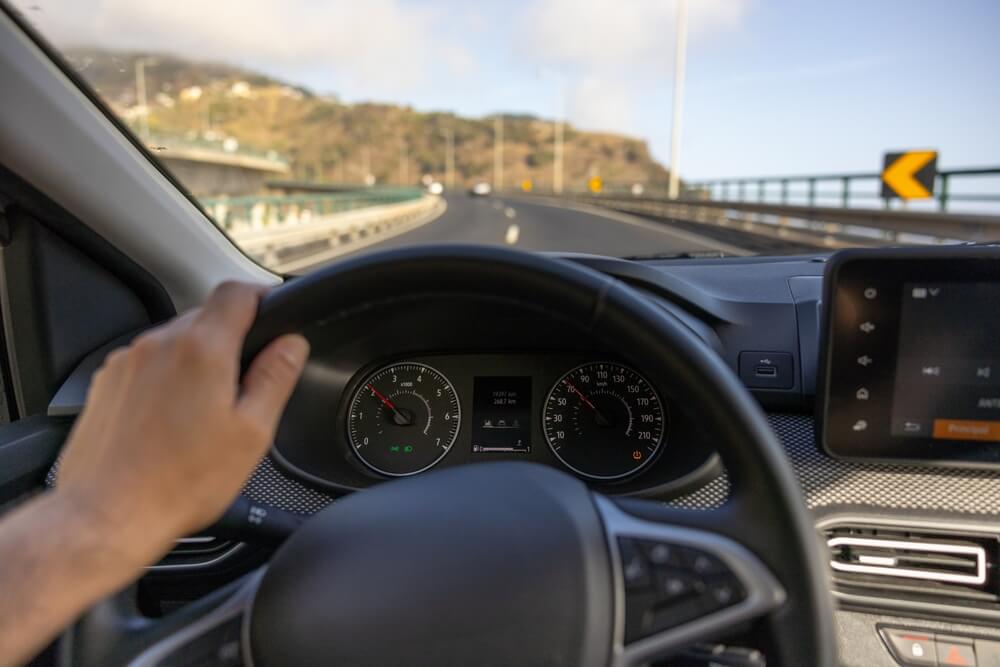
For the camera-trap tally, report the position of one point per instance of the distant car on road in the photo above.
(481, 189)
(435, 188)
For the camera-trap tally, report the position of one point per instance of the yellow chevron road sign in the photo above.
(909, 175)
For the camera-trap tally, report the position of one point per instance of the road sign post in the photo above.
(909, 175)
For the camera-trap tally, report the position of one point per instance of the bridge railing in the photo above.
(263, 211)
(849, 190)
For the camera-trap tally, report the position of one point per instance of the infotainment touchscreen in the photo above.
(911, 359)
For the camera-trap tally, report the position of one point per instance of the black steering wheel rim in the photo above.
(765, 509)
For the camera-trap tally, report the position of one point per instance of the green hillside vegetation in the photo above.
(325, 139)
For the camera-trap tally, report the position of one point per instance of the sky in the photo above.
(774, 87)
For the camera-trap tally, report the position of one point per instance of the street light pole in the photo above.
(449, 158)
(403, 162)
(140, 96)
(557, 163)
(498, 153)
(680, 55)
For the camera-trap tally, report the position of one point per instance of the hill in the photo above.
(325, 139)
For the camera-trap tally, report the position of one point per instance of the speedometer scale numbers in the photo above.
(403, 419)
(604, 421)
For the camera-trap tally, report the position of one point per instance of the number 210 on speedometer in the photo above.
(604, 421)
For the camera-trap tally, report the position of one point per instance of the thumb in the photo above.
(269, 381)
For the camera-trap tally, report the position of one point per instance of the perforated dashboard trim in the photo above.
(828, 482)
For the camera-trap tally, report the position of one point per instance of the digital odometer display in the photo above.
(403, 419)
(604, 421)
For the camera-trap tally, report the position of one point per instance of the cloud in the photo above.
(635, 34)
(607, 55)
(377, 47)
(600, 104)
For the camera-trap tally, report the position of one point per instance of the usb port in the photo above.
(765, 371)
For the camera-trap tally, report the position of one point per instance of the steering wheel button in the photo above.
(723, 593)
(660, 554)
(705, 564)
(634, 568)
(674, 585)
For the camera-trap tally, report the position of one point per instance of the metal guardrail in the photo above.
(293, 247)
(258, 212)
(758, 189)
(811, 225)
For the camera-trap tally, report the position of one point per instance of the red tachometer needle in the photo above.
(399, 417)
(382, 398)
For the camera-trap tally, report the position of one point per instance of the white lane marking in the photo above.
(513, 233)
(510, 213)
(606, 213)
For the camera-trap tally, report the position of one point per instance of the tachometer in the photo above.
(403, 419)
(604, 421)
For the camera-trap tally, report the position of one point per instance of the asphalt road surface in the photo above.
(537, 225)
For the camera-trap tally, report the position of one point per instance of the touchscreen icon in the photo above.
(919, 292)
(860, 425)
(862, 394)
(870, 293)
(864, 360)
(867, 327)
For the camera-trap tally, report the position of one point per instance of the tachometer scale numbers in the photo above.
(403, 419)
(604, 421)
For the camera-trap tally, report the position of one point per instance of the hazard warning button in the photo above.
(955, 651)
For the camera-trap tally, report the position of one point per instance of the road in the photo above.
(537, 225)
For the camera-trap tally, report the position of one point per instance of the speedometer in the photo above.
(604, 421)
(403, 419)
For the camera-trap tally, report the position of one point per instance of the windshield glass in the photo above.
(313, 130)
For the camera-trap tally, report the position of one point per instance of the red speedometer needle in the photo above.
(599, 417)
(583, 398)
(382, 398)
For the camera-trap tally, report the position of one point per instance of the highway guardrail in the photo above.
(817, 226)
(292, 247)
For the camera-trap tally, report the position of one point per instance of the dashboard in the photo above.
(470, 382)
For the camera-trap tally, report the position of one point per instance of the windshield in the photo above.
(310, 131)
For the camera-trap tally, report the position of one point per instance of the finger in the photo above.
(269, 381)
(229, 312)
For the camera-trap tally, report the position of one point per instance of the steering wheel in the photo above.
(511, 563)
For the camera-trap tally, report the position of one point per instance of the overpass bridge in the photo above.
(208, 169)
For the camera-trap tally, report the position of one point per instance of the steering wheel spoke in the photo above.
(208, 631)
(678, 585)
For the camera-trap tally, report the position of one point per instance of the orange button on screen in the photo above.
(966, 429)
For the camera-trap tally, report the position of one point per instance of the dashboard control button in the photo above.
(911, 647)
(955, 651)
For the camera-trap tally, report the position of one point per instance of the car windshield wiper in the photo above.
(688, 254)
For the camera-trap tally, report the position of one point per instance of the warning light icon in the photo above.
(637, 455)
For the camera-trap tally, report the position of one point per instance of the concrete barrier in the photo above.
(310, 240)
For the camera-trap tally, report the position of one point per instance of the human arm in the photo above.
(166, 439)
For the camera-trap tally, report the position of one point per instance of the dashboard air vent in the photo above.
(197, 552)
(915, 564)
